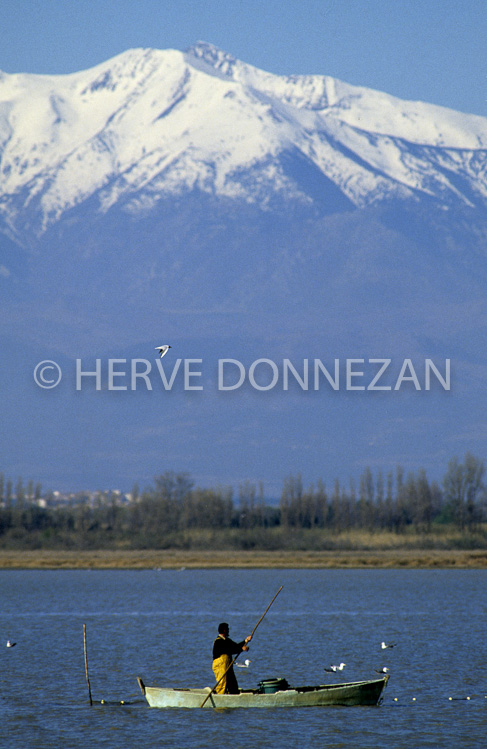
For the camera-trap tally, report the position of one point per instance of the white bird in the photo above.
(11, 644)
(383, 670)
(385, 645)
(163, 349)
(333, 669)
(245, 664)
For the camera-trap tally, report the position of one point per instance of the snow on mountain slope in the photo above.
(363, 108)
(152, 123)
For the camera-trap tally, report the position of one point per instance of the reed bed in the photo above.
(179, 559)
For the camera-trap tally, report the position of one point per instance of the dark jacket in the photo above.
(226, 646)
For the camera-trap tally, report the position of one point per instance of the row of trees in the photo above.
(174, 510)
(18, 492)
(393, 503)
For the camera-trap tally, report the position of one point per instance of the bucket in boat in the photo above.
(268, 686)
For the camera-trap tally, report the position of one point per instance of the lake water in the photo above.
(160, 625)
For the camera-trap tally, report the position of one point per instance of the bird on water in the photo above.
(245, 664)
(334, 669)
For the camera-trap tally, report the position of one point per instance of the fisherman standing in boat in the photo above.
(223, 649)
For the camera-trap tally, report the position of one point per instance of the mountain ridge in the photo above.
(150, 123)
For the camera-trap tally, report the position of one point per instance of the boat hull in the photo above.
(323, 695)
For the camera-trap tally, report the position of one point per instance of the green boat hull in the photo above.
(323, 695)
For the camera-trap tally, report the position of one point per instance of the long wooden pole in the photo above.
(86, 664)
(231, 664)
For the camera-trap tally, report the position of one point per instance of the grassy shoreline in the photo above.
(175, 559)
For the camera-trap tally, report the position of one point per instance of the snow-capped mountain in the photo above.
(190, 198)
(149, 124)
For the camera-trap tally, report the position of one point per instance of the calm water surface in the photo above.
(160, 625)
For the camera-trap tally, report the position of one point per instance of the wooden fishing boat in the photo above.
(323, 695)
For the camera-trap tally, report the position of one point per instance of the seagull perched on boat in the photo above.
(334, 669)
(11, 644)
(383, 670)
(163, 349)
(385, 645)
(245, 664)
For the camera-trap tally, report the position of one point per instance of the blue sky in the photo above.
(432, 50)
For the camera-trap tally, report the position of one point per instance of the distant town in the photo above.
(33, 494)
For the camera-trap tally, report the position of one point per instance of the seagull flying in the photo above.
(383, 670)
(245, 664)
(11, 644)
(334, 669)
(385, 645)
(163, 349)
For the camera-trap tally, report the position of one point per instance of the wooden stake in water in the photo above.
(86, 664)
